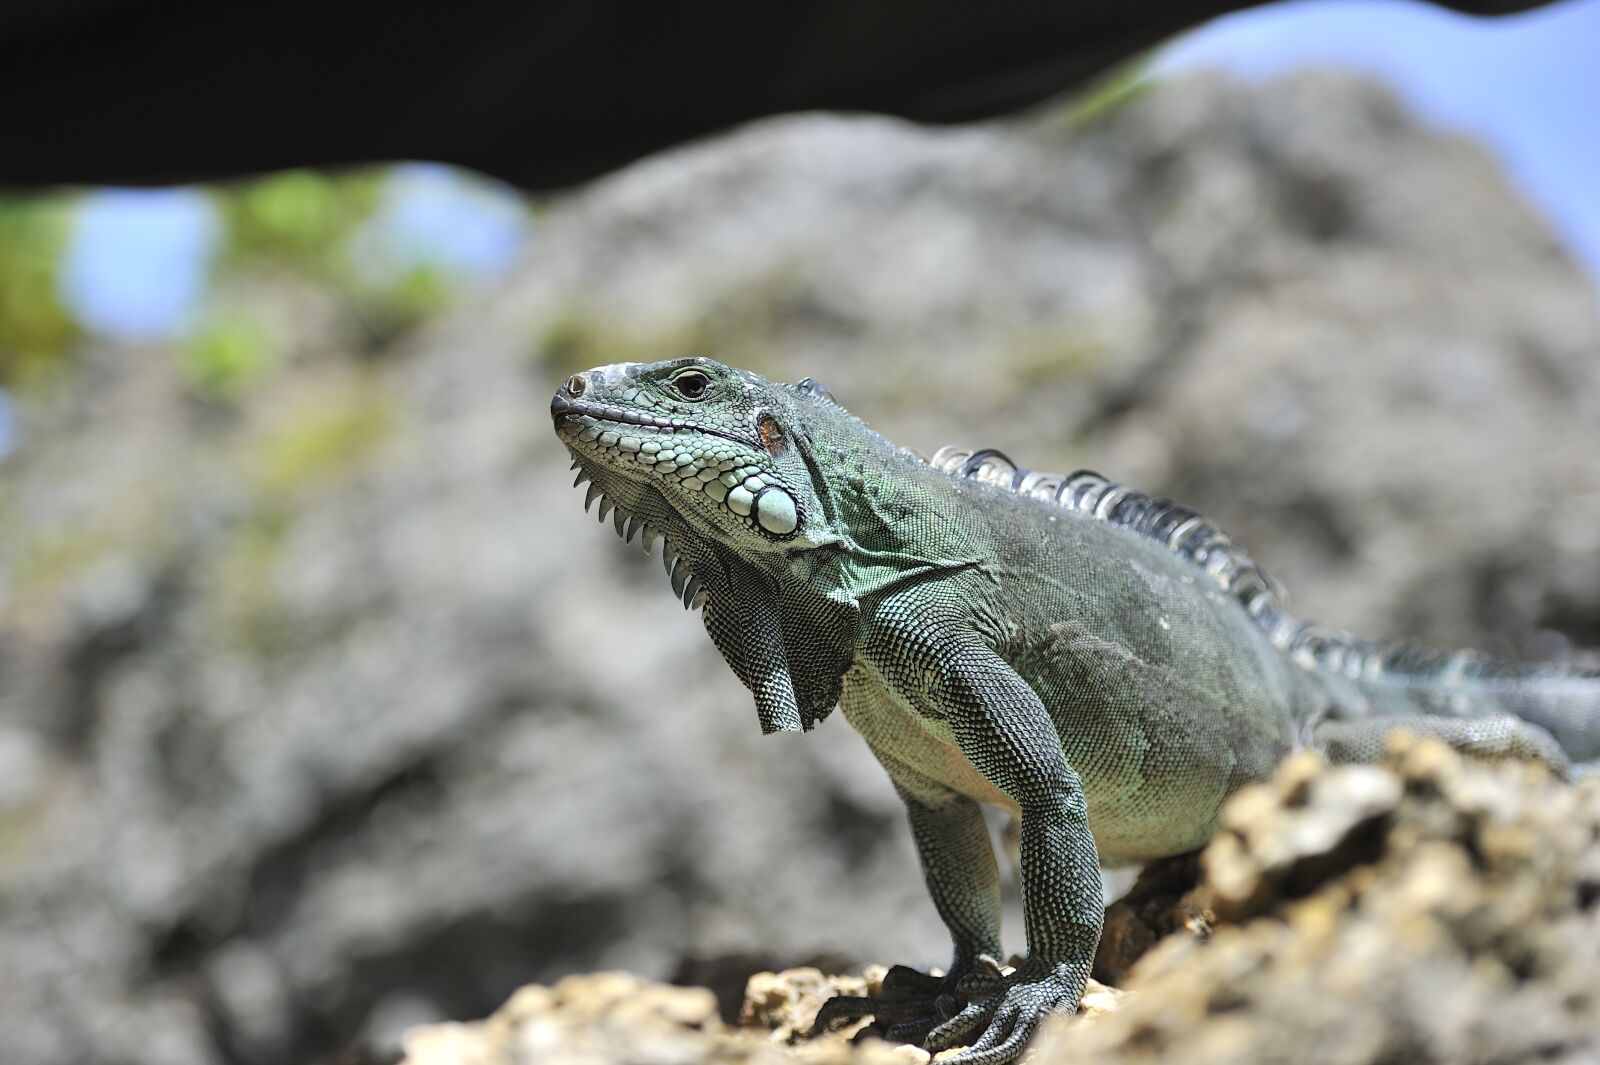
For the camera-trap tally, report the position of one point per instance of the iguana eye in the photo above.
(691, 385)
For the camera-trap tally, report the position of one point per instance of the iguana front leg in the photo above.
(958, 864)
(1004, 730)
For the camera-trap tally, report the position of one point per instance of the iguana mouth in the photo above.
(562, 407)
(742, 482)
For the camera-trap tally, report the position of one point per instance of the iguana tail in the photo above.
(1389, 679)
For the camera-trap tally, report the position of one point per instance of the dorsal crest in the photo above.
(1187, 533)
(1181, 529)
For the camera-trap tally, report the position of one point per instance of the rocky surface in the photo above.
(619, 1019)
(325, 711)
(1425, 910)
(1429, 910)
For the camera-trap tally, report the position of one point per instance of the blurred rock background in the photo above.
(325, 710)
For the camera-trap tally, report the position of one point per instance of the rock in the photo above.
(1162, 901)
(1099, 999)
(1464, 928)
(786, 1003)
(619, 1019)
(594, 1019)
(1279, 839)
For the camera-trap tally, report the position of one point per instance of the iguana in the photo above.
(1106, 665)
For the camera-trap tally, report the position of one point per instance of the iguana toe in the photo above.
(903, 981)
(1009, 1017)
(884, 1011)
(909, 1005)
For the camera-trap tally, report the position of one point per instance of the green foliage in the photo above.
(243, 582)
(401, 302)
(1050, 357)
(1107, 94)
(304, 223)
(579, 338)
(317, 434)
(320, 435)
(300, 220)
(36, 331)
(41, 565)
(567, 341)
(227, 351)
(295, 233)
(744, 330)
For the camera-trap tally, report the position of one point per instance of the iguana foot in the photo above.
(911, 1003)
(1005, 1020)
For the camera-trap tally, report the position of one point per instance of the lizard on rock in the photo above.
(1105, 665)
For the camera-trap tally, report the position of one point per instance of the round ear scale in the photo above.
(812, 387)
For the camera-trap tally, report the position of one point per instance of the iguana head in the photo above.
(721, 464)
(694, 444)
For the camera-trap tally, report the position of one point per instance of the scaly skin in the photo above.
(994, 647)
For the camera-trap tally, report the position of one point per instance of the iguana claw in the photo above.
(911, 1003)
(1006, 1019)
(887, 1012)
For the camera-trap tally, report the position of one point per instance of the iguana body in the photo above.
(1105, 665)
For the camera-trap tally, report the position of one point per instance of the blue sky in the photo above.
(1528, 86)
(137, 262)
(136, 266)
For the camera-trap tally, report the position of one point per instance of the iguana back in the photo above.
(1363, 678)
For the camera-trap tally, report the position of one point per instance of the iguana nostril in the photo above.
(576, 384)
